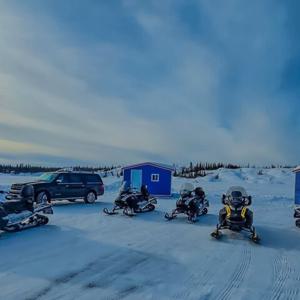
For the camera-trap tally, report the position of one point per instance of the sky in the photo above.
(173, 81)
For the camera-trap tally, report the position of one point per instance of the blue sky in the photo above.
(95, 82)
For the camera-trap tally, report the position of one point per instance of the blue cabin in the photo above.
(157, 177)
(297, 188)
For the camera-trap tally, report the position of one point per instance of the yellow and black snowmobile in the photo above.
(236, 216)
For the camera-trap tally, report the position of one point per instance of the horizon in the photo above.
(91, 83)
(175, 165)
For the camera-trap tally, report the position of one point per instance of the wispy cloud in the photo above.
(142, 81)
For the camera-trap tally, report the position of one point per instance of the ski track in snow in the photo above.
(283, 271)
(95, 275)
(103, 272)
(238, 275)
(94, 256)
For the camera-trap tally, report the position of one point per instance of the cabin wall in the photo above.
(297, 189)
(161, 187)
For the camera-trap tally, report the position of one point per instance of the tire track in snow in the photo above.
(123, 266)
(203, 280)
(282, 273)
(151, 265)
(238, 276)
(194, 281)
(111, 266)
(57, 282)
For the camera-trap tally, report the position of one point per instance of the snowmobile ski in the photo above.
(216, 234)
(170, 217)
(110, 212)
(128, 212)
(255, 238)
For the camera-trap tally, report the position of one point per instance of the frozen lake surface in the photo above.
(84, 254)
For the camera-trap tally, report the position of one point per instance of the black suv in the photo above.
(60, 185)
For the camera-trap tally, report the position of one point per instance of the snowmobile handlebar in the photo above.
(246, 200)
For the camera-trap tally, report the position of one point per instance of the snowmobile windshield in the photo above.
(125, 187)
(185, 193)
(236, 194)
(49, 177)
(237, 202)
(186, 189)
(199, 192)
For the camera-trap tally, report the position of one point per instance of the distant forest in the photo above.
(202, 169)
(193, 170)
(27, 168)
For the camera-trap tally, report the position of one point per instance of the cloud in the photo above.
(172, 82)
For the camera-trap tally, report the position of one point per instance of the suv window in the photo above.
(63, 177)
(75, 178)
(93, 178)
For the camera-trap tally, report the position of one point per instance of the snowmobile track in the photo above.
(194, 281)
(282, 272)
(238, 276)
(66, 279)
(117, 269)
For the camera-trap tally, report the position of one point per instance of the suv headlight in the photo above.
(27, 191)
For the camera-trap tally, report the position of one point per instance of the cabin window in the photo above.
(155, 177)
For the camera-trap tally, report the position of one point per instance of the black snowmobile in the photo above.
(297, 216)
(16, 215)
(192, 203)
(132, 201)
(235, 215)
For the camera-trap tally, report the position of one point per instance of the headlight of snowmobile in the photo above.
(27, 191)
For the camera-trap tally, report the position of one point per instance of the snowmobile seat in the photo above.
(199, 193)
(193, 206)
(181, 204)
(144, 192)
(16, 206)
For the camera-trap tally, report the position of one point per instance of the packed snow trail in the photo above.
(84, 254)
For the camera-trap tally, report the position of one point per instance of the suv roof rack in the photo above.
(71, 170)
(66, 170)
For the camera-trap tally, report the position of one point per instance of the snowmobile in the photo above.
(192, 202)
(297, 216)
(132, 201)
(235, 215)
(16, 215)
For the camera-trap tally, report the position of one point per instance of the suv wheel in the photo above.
(42, 198)
(90, 197)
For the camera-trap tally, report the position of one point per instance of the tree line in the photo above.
(200, 169)
(193, 170)
(28, 168)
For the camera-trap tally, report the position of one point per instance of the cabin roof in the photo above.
(297, 169)
(158, 165)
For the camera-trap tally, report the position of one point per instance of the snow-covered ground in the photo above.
(84, 254)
